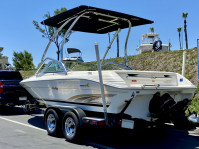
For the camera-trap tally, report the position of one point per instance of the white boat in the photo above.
(130, 95)
(76, 58)
(82, 89)
(151, 42)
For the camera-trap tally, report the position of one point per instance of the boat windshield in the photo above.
(147, 40)
(51, 66)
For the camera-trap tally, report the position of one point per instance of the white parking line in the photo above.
(22, 124)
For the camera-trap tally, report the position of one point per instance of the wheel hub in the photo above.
(70, 127)
(51, 122)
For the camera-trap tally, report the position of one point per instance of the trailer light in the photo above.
(87, 121)
(120, 122)
(134, 80)
(1, 87)
(94, 122)
(101, 123)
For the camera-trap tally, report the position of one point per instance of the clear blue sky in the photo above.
(17, 32)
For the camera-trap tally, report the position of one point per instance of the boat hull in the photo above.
(86, 94)
(149, 47)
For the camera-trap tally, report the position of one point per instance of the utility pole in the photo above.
(118, 55)
(184, 58)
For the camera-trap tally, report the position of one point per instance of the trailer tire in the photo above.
(52, 122)
(71, 127)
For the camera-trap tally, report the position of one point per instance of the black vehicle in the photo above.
(11, 92)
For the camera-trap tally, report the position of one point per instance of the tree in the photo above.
(48, 31)
(1, 49)
(23, 60)
(1, 54)
(184, 15)
(170, 45)
(152, 29)
(179, 31)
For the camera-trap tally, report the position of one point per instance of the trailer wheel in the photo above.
(70, 127)
(52, 122)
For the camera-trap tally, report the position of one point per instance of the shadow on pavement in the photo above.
(17, 110)
(37, 121)
(10, 110)
(149, 138)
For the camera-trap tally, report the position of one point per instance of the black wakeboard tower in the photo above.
(93, 20)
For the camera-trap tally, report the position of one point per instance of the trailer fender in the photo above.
(60, 114)
(80, 114)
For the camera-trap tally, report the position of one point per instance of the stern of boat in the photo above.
(158, 97)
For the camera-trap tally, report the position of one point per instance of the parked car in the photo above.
(11, 92)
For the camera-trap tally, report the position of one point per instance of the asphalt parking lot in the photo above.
(21, 131)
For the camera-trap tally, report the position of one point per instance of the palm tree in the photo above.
(152, 29)
(179, 31)
(184, 15)
(170, 45)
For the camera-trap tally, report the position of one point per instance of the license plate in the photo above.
(22, 98)
(127, 124)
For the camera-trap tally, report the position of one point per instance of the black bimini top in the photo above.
(96, 21)
(73, 50)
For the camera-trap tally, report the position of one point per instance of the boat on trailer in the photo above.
(119, 97)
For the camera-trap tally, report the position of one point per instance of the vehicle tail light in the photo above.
(101, 123)
(1, 87)
(120, 122)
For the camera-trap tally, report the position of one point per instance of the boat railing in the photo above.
(75, 20)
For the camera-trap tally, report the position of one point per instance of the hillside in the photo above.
(158, 61)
